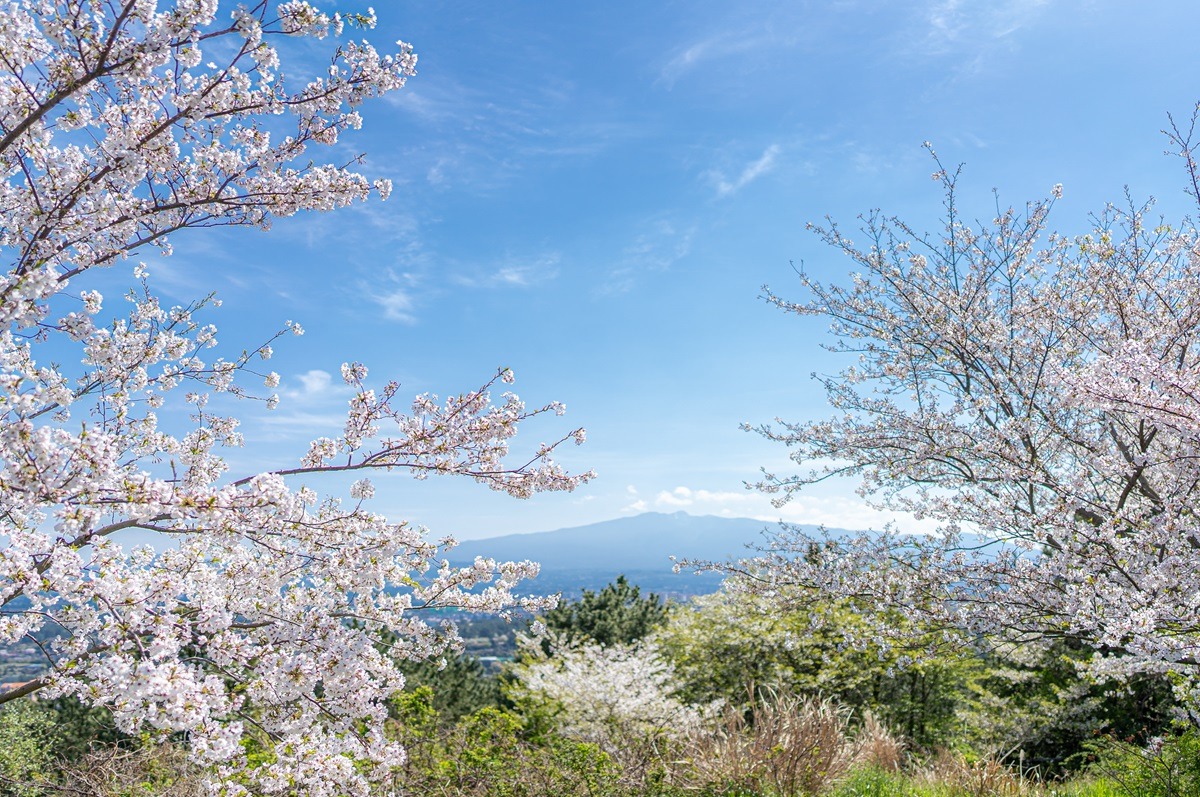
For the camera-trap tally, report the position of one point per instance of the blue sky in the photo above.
(594, 194)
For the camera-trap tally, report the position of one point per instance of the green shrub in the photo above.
(460, 687)
(495, 753)
(1166, 767)
(872, 782)
(735, 647)
(80, 728)
(1035, 698)
(27, 741)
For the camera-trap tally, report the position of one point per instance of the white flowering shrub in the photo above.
(121, 124)
(603, 694)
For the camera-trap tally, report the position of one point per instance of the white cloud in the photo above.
(752, 171)
(847, 513)
(636, 505)
(684, 496)
(676, 498)
(514, 273)
(722, 45)
(833, 511)
(314, 383)
(663, 243)
(397, 305)
(435, 174)
(974, 27)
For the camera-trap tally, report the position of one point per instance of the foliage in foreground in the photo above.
(788, 747)
(589, 719)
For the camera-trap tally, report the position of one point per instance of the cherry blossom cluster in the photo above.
(1039, 396)
(258, 621)
(116, 132)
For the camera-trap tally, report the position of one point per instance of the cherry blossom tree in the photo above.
(1042, 391)
(123, 122)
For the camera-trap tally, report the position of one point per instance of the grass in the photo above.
(869, 782)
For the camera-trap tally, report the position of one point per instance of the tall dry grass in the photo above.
(786, 744)
(983, 778)
(877, 747)
(114, 771)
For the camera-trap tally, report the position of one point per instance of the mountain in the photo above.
(641, 547)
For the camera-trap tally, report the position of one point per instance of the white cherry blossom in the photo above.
(1040, 390)
(122, 124)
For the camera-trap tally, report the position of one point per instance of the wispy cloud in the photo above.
(477, 137)
(398, 305)
(662, 247)
(431, 107)
(955, 20)
(175, 277)
(727, 186)
(971, 28)
(513, 273)
(691, 56)
(946, 20)
(309, 401)
(662, 243)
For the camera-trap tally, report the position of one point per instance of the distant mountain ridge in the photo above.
(641, 547)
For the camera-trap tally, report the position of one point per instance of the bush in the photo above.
(460, 687)
(872, 782)
(27, 739)
(1165, 767)
(147, 770)
(80, 729)
(733, 646)
(492, 752)
(1038, 699)
(620, 698)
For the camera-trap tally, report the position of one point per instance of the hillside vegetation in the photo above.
(627, 695)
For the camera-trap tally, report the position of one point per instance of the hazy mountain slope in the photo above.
(641, 542)
(639, 546)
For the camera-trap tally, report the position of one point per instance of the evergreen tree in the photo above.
(463, 686)
(616, 615)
